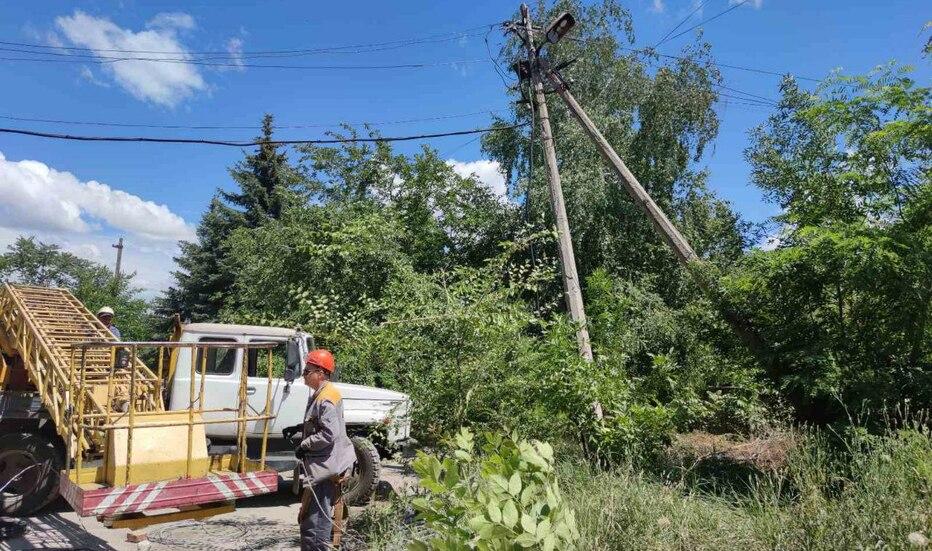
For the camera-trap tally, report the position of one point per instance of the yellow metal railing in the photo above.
(39, 325)
(110, 413)
(178, 425)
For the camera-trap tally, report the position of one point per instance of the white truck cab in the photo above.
(371, 414)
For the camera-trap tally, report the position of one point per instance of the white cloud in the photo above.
(657, 6)
(756, 4)
(85, 218)
(34, 196)
(235, 49)
(89, 76)
(487, 172)
(158, 82)
(171, 21)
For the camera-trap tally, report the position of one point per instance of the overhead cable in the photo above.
(233, 127)
(750, 96)
(56, 136)
(652, 51)
(100, 60)
(439, 37)
(704, 21)
(680, 24)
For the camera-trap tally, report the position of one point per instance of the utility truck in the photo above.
(82, 415)
(377, 420)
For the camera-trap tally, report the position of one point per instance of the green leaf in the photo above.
(495, 514)
(528, 494)
(451, 473)
(417, 545)
(545, 450)
(528, 524)
(477, 523)
(526, 540)
(543, 529)
(514, 484)
(510, 514)
(500, 482)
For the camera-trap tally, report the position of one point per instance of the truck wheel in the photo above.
(37, 463)
(366, 473)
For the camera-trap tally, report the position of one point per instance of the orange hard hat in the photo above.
(321, 358)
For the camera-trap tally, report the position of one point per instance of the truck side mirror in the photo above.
(293, 367)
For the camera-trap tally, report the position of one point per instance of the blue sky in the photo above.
(83, 195)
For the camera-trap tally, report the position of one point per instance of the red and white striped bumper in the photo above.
(166, 494)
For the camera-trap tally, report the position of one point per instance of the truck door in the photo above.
(287, 406)
(221, 383)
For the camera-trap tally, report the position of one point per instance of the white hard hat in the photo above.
(105, 310)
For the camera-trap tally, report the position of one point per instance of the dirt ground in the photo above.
(265, 522)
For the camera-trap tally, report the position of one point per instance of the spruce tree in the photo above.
(265, 185)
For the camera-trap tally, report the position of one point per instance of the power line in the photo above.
(56, 136)
(680, 24)
(185, 56)
(699, 24)
(494, 61)
(751, 97)
(439, 37)
(449, 152)
(651, 51)
(99, 60)
(747, 101)
(252, 127)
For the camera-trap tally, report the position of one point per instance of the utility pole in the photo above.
(116, 273)
(571, 289)
(670, 234)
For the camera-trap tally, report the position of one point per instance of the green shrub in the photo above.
(504, 498)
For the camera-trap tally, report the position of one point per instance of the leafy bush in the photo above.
(505, 498)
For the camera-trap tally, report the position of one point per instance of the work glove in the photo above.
(288, 432)
(299, 453)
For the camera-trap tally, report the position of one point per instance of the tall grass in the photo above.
(859, 491)
(849, 491)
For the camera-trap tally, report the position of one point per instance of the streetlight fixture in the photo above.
(559, 27)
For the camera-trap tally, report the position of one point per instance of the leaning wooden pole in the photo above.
(668, 232)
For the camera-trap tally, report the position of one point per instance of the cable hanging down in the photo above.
(133, 139)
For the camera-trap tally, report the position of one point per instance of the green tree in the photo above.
(33, 262)
(660, 119)
(446, 219)
(845, 297)
(266, 184)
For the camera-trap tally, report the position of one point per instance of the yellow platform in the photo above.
(158, 452)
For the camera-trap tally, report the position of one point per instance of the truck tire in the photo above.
(38, 463)
(366, 473)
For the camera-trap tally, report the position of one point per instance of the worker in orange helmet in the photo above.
(325, 450)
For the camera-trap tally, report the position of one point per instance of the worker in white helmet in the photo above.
(105, 315)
